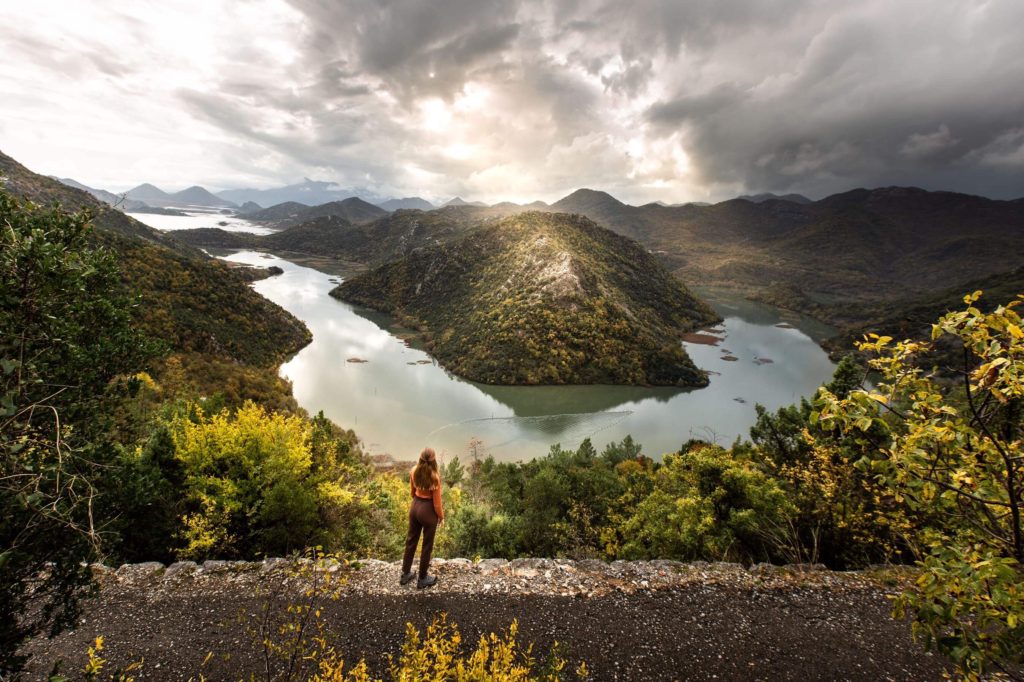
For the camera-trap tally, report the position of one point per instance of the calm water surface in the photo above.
(199, 216)
(399, 399)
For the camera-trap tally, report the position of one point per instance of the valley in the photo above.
(401, 398)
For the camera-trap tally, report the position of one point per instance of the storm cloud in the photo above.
(493, 99)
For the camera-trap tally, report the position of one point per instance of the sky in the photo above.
(650, 100)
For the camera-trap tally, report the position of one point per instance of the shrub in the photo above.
(255, 482)
(66, 351)
(706, 504)
(957, 459)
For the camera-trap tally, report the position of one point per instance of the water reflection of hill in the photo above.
(529, 401)
(512, 438)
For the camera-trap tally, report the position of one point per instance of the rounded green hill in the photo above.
(543, 298)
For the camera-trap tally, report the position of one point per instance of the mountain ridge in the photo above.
(116, 200)
(406, 202)
(849, 251)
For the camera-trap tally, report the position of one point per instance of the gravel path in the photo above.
(628, 621)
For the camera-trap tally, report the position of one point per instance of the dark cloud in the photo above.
(887, 93)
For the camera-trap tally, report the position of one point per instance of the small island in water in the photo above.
(542, 298)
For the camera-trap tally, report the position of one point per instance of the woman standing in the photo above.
(424, 515)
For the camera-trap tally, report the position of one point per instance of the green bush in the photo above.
(706, 504)
(67, 350)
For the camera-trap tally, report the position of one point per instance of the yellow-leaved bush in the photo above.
(953, 457)
(257, 482)
(438, 654)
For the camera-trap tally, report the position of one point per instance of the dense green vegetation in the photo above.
(912, 318)
(65, 351)
(957, 461)
(791, 494)
(82, 312)
(204, 305)
(190, 301)
(542, 298)
(99, 460)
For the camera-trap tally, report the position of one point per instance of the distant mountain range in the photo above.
(386, 239)
(840, 259)
(312, 193)
(117, 200)
(889, 257)
(192, 196)
(829, 258)
(459, 201)
(151, 196)
(768, 196)
(290, 213)
(308, 192)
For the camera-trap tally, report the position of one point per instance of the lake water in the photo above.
(398, 399)
(200, 216)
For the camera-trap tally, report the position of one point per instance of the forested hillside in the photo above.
(542, 298)
(192, 302)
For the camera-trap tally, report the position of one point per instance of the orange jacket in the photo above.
(434, 494)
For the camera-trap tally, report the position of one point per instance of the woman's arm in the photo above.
(437, 503)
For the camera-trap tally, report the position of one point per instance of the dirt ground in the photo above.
(627, 621)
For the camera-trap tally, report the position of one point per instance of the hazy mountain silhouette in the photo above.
(407, 202)
(116, 200)
(308, 192)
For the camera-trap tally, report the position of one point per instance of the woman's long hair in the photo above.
(425, 476)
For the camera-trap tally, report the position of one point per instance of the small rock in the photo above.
(268, 565)
(213, 565)
(180, 569)
(139, 571)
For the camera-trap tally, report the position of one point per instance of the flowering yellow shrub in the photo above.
(436, 655)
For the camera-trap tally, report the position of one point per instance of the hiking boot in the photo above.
(426, 582)
(406, 577)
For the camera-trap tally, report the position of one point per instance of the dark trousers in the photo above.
(421, 518)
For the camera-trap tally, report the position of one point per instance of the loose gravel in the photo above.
(657, 620)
